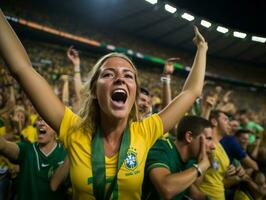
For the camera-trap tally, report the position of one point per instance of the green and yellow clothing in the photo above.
(2, 127)
(170, 135)
(4, 165)
(212, 184)
(163, 154)
(29, 133)
(143, 135)
(33, 119)
(240, 195)
(4, 162)
(2, 130)
(255, 129)
(36, 169)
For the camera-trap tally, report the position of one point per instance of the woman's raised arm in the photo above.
(38, 90)
(192, 87)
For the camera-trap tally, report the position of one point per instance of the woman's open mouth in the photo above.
(119, 97)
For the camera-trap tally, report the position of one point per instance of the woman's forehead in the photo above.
(114, 62)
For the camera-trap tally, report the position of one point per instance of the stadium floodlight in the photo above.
(152, 1)
(239, 34)
(14, 19)
(130, 52)
(110, 47)
(222, 29)
(139, 55)
(258, 39)
(188, 17)
(169, 8)
(205, 23)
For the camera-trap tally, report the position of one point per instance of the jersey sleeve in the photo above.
(158, 156)
(151, 128)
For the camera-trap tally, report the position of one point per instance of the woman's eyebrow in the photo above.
(113, 69)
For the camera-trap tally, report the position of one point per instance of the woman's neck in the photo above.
(113, 131)
(112, 127)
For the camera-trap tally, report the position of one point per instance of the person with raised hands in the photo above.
(166, 80)
(167, 90)
(107, 146)
(73, 56)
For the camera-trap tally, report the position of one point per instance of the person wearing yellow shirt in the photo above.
(213, 180)
(144, 110)
(21, 121)
(2, 127)
(62, 172)
(107, 146)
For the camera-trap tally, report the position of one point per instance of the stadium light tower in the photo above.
(205, 23)
(188, 17)
(222, 29)
(239, 34)
(258, 39)
(169, 8)
(152, 1)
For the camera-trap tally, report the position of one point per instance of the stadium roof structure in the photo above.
(235, 30)
(151, 21)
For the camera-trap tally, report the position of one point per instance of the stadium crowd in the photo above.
(206, 143)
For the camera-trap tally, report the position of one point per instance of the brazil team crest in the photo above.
(131, 160)
(215, 164)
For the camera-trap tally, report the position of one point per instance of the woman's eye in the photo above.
(107, 75)
(129, 76)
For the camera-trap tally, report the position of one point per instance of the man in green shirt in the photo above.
(37, 163)
(169, 165)
(255, 129)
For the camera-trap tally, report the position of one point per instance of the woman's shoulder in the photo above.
(150, 125)
(154, 118)
(70, 115)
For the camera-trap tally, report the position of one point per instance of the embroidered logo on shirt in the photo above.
(215, 165)
(44, 165)
(131, 162)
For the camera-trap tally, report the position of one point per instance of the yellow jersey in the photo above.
(212, 184)
(143, 135)
(2, 130)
